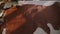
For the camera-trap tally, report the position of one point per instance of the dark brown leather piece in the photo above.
(25, 21)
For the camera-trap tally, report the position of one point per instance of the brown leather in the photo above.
(25, 21)
(9, 11)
